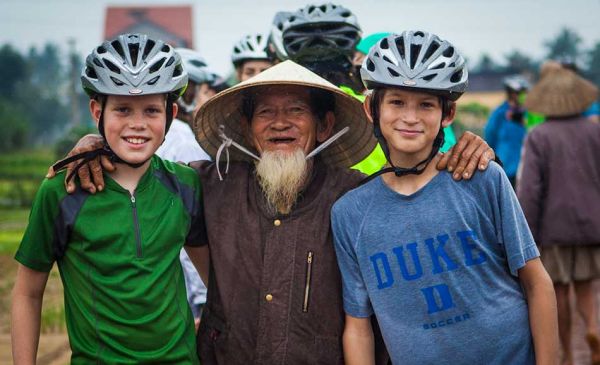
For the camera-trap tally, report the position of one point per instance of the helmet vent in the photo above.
(197, 63)
(393, 72)
(98, 63)
(419, 34)
(434, 46)
(323, 8)
(165, 48)
(370, 65)
(384, 44)
(101, 50)
(311, 9)
(178, 70)
(429, 77)
(117, 46)
(134, 50)
(91, 73)
(449, 52)
(440, 66)
(400, 46)
(117, 81)
(157, 65)
(111, 66)
(456, 76)
(385, 58)
(346, 14)
(153, 81)
(149, 45)
(170, 61)
(415, 49)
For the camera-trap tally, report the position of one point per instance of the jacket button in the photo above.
(269, 297)
(277, 222)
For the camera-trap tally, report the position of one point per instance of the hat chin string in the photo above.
(228, 142)
(328, 142)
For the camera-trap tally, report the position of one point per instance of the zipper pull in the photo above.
(309, 258)
(133, 199)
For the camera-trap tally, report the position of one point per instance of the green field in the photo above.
(20, 175)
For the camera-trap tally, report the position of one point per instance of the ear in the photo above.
(175, 110)
(450, 117)
(325, 127)
(95, 110)
(367, 107)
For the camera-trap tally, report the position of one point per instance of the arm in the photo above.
(543, 317)
(200, 257)
(469, 153)
(359, 344)
(26, 314)
(88, 182)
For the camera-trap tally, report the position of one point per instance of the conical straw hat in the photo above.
(561, 93)
(225, 109)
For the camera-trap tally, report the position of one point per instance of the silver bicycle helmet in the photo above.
(134, 64)
(251, 47)
(321, 27)
(416, 60)
(275, 40)
(195, 66)
(516, 83)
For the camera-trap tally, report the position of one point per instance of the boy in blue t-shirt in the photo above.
(450, 270)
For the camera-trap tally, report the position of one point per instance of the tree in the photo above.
(486, 64)
(15, 126)
(565, 45)
(593, 67)
(13, 69)
(518, 63)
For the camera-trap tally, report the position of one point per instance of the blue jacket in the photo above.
(506, 138)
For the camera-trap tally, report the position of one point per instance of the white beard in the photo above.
(281, 176)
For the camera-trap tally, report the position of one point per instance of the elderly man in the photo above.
(282, 154)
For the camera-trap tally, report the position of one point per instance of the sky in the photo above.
(495, 27)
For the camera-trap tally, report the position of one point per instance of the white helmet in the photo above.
(251, 47)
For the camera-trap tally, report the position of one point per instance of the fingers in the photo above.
(96, 172)
(486, 157)
(461, 171)
(474, 161)
(107, 164)
(457, 152)
(442, 163)
(50, 174)
(85, 180)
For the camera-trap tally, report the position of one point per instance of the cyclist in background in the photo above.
(505, 129)
(250, 56)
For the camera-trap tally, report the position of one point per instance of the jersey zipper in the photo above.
(136, 224)
(309, 260)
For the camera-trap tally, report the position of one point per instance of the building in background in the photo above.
(172, 24)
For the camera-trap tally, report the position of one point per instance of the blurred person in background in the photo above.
(250, 56)
(505, 128)
(559, 190)
(324, 38)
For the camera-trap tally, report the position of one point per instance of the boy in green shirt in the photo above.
(118, 251)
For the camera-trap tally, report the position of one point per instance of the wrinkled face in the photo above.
(134, 125)
(252, 68)
(410, 121)
(284, 121)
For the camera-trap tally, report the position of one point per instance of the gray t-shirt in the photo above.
(439, 268)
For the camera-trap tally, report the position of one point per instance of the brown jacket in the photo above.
(263, 306)
(559, 185)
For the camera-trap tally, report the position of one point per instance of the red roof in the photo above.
(176, 20)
